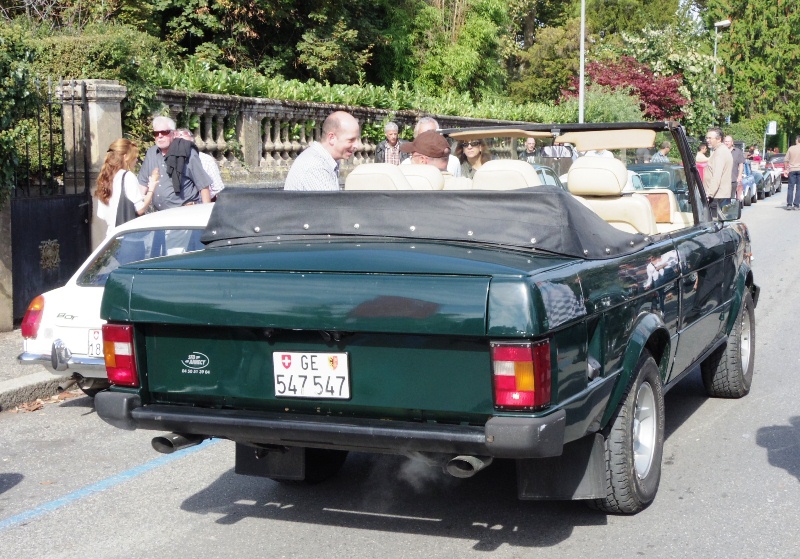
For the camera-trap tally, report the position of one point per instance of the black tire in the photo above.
(761, 195)
(728, 373)
(747, 200)
(634, 444)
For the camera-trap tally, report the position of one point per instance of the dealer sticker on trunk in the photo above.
(311, 375)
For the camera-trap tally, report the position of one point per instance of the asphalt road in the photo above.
(72, 486)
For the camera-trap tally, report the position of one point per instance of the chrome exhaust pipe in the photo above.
(467, 466)
(169, 443)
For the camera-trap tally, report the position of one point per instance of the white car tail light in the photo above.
(33, 318)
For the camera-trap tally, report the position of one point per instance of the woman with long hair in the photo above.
(116, 180)
(472, 155)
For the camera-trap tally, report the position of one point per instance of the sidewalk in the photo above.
(21, 383)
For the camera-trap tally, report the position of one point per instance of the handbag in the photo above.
(126, 210)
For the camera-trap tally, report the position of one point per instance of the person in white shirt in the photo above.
(317, 168)
(117, 182)
(208, 162)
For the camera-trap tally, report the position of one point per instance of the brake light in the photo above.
(119, 355)
(33, 318)
(521, 374)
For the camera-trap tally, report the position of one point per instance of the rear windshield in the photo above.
(133, 246)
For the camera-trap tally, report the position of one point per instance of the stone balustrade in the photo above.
(256, 140)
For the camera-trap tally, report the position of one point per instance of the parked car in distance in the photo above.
(62, 327)
(749, 187)
(777, 171)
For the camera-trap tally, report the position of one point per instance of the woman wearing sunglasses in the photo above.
(472, 155)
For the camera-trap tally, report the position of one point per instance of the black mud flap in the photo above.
(579, 473)
(287, 463)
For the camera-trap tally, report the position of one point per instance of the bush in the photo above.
(106, 51)
(15, 92)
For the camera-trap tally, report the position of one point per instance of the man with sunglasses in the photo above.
(181, 178)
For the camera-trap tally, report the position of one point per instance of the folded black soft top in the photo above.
(543, 218)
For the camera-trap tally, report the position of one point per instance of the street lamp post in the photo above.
(717, 26)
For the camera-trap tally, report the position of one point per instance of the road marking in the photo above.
(107, 483)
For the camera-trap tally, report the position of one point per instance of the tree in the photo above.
(549, 65)
(609, 17)
(659, 96)
(760, 56)
(457, 45)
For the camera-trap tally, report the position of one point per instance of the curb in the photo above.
(28, 388)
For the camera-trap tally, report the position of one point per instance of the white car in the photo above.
(62, 327)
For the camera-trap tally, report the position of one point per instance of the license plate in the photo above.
(311, 375)
(95, 343)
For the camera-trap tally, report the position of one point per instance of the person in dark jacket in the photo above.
(388, 151)
(182, 180)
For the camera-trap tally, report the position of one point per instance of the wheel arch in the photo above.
(650, 334)
(744, 283)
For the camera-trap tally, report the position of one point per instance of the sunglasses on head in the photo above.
(472, 144)
(157, 133)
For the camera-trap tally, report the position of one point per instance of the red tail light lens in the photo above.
(521, 374)
(32, 318)
(119, 356)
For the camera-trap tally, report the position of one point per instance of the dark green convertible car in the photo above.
(496, 318)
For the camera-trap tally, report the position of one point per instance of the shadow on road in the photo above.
(7, 481)
(783, 445)
(394, 494)
(682, 401)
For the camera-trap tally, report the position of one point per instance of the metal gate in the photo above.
(51, 203)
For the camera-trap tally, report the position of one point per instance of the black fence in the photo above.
(51, 202)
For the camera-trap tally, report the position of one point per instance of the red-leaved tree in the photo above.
(659, 96)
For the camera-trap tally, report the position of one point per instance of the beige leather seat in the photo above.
(505, 174)
(599, 182)
(423, 177)
(457, 183)
(376, 176)
(665, 209)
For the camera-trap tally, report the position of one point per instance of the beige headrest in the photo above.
(422, 177)
(597, 176)
(505, 174)
(376, 176)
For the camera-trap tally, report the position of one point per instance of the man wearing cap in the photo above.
(425, 124)
(430, 148)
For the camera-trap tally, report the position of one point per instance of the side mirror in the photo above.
(729, 210)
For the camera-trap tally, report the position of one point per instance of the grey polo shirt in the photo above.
(193, 180)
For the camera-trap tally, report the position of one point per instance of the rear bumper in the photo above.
(501, 437)
(61, 360)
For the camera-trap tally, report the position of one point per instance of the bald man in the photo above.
(317, 168)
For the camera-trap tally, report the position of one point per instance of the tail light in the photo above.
(32, 318)
(119, 355)
(521, 374)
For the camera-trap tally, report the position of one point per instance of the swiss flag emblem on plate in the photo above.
(286, 361)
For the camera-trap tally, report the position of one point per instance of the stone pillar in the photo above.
(250, 138)
(6, 300)
(90, 132)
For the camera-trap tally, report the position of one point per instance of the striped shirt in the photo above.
(314, 169)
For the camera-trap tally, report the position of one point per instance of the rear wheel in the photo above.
(728, 373)
(747, 199)
(634, 444)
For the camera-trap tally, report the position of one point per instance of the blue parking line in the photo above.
(101, 486)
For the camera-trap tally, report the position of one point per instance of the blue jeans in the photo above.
(793, 190)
